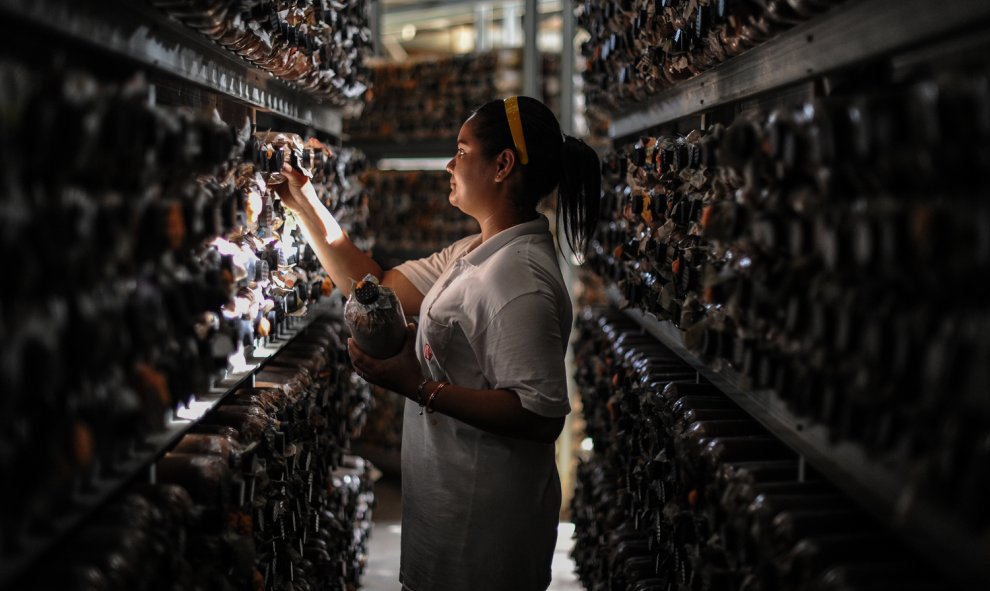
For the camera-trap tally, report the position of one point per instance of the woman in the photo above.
(484, 372)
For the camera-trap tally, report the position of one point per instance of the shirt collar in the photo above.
(489, 247)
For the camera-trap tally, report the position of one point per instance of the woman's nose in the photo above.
(450, 166)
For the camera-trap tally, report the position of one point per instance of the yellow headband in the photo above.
(515, 126)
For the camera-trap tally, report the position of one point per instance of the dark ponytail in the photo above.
(579, 193)
(555, 161)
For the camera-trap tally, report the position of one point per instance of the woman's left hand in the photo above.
(400, 373)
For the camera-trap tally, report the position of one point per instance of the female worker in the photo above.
(484, 372)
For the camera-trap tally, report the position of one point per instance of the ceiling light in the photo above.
(462, 39)
(408, 32)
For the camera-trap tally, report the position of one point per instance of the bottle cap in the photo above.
(366, 292)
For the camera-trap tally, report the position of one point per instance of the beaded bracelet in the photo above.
(433, 394)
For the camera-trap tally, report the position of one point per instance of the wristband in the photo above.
(433, 394)
(419, 391)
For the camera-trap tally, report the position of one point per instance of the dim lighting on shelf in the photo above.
(195, 410)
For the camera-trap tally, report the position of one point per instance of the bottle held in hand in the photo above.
(374, 316)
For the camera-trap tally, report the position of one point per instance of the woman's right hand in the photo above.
(294, 192)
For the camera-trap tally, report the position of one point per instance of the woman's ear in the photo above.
(505, 162)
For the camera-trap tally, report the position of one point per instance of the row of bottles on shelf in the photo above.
(426, 100)
(317, 45)
(640, 47)
(152, 257)
(829, 254)
(259, 494)
(684, 490)
(412, 211)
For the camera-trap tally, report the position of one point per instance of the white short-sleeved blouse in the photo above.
(480, 511)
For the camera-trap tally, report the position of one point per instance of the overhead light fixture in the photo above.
(462, 39)
(408, 32)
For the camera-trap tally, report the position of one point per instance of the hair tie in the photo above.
(515, 127)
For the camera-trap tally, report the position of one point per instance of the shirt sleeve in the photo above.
(423, 273)
(522, 350)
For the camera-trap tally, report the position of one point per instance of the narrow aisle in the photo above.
(382, 570)
(562, 575)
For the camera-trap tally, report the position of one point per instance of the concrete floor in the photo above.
(382, 572)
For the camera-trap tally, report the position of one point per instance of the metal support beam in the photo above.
(531, 53)
(482, 27)
(567, 70)
(511, 32)
(375, 23)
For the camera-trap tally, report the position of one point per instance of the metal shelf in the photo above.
(435, 148)
(85, 504)
(881, 486)
(854, 32)
(135, 31)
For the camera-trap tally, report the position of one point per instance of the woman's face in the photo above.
(472, 174)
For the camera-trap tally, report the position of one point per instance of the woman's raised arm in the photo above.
(341, 259)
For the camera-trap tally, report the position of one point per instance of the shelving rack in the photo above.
(848, 34)
(852, 34)
(143, 456)
(137, 33)
(134, 34)
(878, 486)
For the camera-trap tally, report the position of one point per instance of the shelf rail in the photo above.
(851, 33)
(881, 486)
(137, 32)
(86, 503)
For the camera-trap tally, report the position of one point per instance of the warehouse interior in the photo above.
(776, 370)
